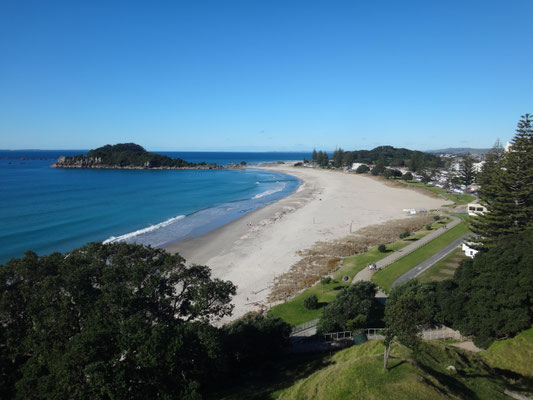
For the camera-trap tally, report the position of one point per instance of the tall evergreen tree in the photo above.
(507, 190)
(314, 155)
(467, 172)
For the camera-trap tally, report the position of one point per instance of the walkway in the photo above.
(366, 274)
(426, 264)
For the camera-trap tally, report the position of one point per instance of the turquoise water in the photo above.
(46, 209)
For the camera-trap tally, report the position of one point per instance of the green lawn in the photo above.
(435, 272)
(389, 274)
(455, 197)
(294, 312)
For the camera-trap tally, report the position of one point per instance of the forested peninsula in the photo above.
(129, 156)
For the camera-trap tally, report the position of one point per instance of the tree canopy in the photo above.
(115, 321)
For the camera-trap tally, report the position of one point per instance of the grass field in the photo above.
(514, 354)
(389, 274)
(440, 270)
(294, 312)
(455, 197)
(357, 373)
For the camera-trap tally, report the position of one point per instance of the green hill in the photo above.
(125, 155)
(514, 354)
(357, 373)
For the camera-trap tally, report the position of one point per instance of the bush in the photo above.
(428, 227)
(405, 234)
(407, 176)
(362, 169)
(436, 217)
(311, 303)
(326, 280)
(388, 173)
(355, 304)
(382, 248)
(377, 170)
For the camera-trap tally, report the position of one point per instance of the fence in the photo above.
(442, 332)
(304, 326)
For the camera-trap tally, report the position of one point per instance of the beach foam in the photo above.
(139, 232)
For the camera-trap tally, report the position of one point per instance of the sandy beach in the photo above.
(328, 205)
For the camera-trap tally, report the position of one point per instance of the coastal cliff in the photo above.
(130, 156)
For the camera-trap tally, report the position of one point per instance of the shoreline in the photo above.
(265, 243)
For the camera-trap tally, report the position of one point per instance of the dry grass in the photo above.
(325, 257)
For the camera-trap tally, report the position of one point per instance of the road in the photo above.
(428, 263)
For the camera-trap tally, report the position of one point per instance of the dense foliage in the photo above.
(128, 155)
(108, 321)
(383, 155)
(507, 189)
(352, 308)
(491, 296)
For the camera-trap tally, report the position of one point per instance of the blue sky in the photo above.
(263, 75)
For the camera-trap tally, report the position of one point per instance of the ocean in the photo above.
(46, 209)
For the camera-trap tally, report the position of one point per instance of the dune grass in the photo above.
(389, 274)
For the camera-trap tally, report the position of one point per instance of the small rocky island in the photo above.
(131, 156)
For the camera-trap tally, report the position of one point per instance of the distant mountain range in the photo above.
(458, 150)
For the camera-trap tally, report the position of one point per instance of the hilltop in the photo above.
(127, 156)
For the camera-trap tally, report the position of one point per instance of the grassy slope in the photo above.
(435, 270)
(389, 274)
(514, 354)
(357, 373)
(294, 312)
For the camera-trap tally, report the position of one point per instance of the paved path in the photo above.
(366, 274)
(426, 264)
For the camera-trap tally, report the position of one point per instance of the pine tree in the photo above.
(314, 155)
(507, 190)
(467, 171)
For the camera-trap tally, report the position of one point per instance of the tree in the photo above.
(254, 339)
(351, 303)
(491, 296)
(467, 172)
(102, 318)
(410, 307)
(314, 156)
(311, 302)
(338, 156)
(382, 248)
(362, 169)
(407, 176)
(388, 173)
(378, 170)
(507, 190)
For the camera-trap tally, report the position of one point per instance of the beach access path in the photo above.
(366, 274)
(255, 249)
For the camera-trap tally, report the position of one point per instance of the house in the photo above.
(476, 209)
(469, 252)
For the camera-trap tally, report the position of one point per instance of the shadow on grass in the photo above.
(339, 287)
(272, 377)
(411, 240)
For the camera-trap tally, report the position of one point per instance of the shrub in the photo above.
(407, 176)
(382, 248)
(436, 217)
(311, 303)
(377, 170)
(326, 280)
(362, 169)
(428, 227)
(405, 234)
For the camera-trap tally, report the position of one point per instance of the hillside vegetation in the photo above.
(514, 354)
(125, 155)
(357, 373)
